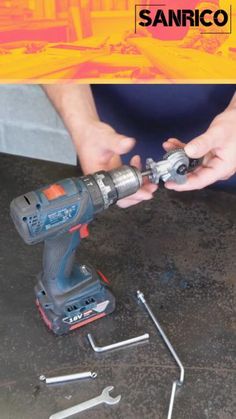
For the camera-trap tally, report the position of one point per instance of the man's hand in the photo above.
(98, 145)
(101, 149)
(218, 145)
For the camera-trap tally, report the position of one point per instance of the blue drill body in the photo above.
(69, 294)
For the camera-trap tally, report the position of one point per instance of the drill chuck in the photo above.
(106, 188)
(127, 180)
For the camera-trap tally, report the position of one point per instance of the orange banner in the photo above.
(117, 41)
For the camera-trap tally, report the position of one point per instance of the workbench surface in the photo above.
(179, 250)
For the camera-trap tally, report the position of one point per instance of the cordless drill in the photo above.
(70, 295)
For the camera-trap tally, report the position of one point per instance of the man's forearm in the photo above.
(75, 104)
(233, 102)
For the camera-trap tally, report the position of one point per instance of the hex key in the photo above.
(116, 345)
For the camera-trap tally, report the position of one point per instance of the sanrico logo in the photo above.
(160, 16)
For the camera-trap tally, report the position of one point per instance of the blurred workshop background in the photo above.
(96, 39)
(67, 20)
(62, 20)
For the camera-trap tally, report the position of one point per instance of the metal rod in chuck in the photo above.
(177, 383)
(146, 173)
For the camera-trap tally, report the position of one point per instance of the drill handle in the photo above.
(58, 259)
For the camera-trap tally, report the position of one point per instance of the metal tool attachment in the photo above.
(66, 378)
(177, 383)
(103, 398)
(118, 344)
(174, 166)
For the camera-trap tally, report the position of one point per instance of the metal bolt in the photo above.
(182, 170)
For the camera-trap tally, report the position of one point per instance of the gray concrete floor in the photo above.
(179, 250)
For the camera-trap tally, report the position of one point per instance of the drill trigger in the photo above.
(83, 229)
(104, 278)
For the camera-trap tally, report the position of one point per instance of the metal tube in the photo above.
(116, 345)
(172, 399)
(172, 351)
(70, 377)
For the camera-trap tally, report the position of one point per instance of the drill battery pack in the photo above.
(86, 301)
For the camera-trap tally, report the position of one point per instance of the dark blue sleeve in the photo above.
(153, 113)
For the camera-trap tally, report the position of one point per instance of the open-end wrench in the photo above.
(103, 398)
